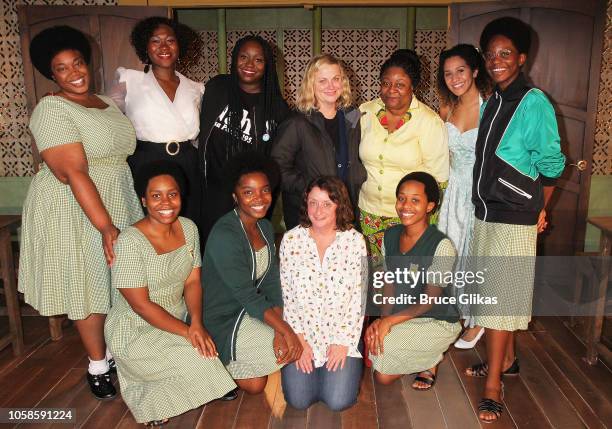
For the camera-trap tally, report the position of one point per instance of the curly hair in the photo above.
(513, 28)
(51, 41)
(249, 162)
(407, 60)
(273, 101)
(474, 61)
(432, 189)
(338, 193)
(152, 169)
(306, 100)
(144, 29)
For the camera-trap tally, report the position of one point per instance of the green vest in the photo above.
(419, 258)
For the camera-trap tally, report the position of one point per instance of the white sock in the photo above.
(97, 367)
(109, 356)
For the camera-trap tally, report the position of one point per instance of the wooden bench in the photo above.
(9, 223)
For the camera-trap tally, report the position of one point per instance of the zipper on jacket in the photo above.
(484, 150)
(514, 188)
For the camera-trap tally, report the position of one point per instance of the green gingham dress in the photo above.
(254, 349)
(160, 374)
(419, 344)
(62, 269)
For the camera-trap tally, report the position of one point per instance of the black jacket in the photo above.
(517, 153)
(304, 151)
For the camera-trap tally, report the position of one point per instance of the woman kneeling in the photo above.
(323, 272)
(412, 336)
(165, 366)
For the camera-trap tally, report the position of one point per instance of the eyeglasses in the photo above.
(504, 54)
(325, 205)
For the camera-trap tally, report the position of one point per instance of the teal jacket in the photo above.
(228, 280)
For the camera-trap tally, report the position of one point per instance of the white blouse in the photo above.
(324, 301)
(156, 118)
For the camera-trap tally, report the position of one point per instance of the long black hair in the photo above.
(274, 104)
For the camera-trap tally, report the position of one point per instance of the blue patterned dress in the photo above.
(457, 211)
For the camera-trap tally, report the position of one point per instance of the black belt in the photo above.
(172, 148)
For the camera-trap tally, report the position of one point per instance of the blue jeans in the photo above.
(338, 390)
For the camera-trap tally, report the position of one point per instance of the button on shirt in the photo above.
(421, 144)
(324, 301)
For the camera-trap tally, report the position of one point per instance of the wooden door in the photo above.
(108, 28)
(564, 62)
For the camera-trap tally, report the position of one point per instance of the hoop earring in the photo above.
(147, 66)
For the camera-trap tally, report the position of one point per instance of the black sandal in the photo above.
(482, 369)
(429, 381)
(490, 406)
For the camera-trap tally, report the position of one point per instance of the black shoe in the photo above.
(101, 386)
(112, 366)
(230, 396)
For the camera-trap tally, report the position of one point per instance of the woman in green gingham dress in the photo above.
(79, 200)
(412, 337)
(165, 366)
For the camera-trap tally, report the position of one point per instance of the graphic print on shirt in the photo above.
(222, 122)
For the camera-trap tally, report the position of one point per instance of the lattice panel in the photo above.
(297, 52)
(205, 64)
(15, 153)
(363, 51)
(428, 45)
(602, 148)
(233, 37)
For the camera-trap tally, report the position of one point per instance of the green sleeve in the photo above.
(52, 125)
(541, 135)
(230, 263)
(128, 270)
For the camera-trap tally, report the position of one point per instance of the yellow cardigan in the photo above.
(421, 144)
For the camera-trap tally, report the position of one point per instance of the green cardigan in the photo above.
(229, 285)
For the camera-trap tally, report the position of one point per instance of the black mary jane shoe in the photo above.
(112, 366)
(101, 386)
(229, 396)
(156, 423)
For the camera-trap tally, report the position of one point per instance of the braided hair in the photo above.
(274, 104)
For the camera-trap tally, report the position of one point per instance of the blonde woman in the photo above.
(321, 138)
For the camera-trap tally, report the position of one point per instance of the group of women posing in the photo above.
(190, 169)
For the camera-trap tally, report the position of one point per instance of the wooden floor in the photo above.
(556, 389)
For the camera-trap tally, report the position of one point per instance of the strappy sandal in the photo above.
(482, 369)
(490, 406)
(156, 423)
(429, 381)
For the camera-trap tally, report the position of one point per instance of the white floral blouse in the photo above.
(324, 301)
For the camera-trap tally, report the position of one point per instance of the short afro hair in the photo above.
(432, 190)
(407, 60)
(51, 41)
(514, 29)
(161, 167)
(144, 29)
(251, 162)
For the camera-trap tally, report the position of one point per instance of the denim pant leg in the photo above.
(301, 390)
(339, 389)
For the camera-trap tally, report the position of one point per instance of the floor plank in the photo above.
(543, 387)
(319, 416)
(363, 413)
(391, 407)
(599, 374)
(220, 414)
(186, 420)
(106, 414)
(569, 388)
(454, 402)
(423, 407)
